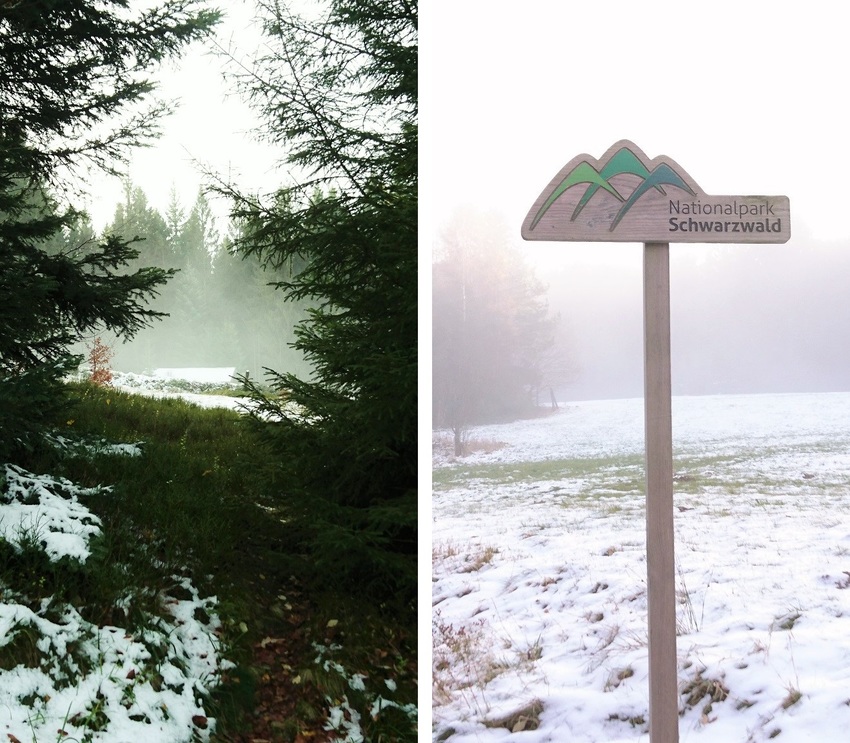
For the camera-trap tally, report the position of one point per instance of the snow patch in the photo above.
(67, 678)
(42, 510)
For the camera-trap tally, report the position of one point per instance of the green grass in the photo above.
(195, 504)
(187, 498)
(630, 468)
(595, 478)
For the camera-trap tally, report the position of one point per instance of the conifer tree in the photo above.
(74, 96)
(339, 92)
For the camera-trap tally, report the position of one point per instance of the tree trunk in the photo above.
(460, 447)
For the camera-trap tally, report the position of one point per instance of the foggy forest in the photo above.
(233, 561)
(744, 319)
(220, 309)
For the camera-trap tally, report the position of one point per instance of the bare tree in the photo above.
(493, 336)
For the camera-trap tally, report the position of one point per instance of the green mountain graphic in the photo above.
(623, 161)
(663, 175)
(584, 172)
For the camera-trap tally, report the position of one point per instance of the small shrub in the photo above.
(100, 362)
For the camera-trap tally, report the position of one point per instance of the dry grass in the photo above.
(525, 718)
(444, 551)
(476, 561)
(794, 696)
(701, 688)
(442, 446)
(617, 676)
(463, 663)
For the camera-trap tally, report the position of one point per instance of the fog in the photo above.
(746, 100)
(248, 344)
(744, 319)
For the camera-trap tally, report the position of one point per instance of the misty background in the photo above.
(221, 310)
(765, 115)
(744, 319)
(568, 323)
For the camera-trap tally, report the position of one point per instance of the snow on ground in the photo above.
(191, 391)
(46, 511)
(539, 574)
(207, 374)
(88, 682)
(101, 683)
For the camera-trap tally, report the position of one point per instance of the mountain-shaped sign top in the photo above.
(624, 196)
(621, 159)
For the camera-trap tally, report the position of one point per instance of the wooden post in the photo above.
(649, 214)
(661, 586)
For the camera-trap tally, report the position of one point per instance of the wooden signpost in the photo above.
(626, 197)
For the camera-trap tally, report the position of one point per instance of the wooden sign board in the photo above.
(626, 197)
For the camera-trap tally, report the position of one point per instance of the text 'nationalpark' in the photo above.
(764, 209)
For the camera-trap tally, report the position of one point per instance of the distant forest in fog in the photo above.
(222, 311)
(744, 319)
(509, 335)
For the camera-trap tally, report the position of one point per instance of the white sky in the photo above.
(212, 125)
(748, 98)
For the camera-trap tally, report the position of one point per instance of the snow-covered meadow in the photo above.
(539, 574)
(192, 385)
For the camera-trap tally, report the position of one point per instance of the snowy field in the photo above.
(190, 387)
(539, 574)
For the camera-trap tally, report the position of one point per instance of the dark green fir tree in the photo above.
(74, 95)
(338, 91)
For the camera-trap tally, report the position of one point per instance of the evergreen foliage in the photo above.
(73, 95)
(339, 92)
